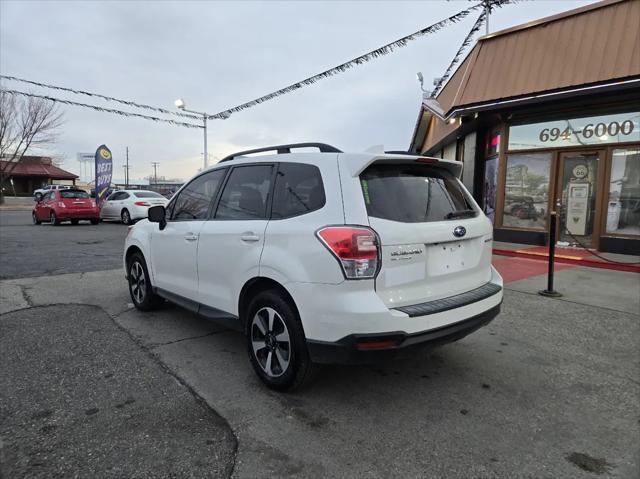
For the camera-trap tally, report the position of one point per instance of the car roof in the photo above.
(356, 162)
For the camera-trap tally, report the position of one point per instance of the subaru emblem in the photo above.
(459, 231)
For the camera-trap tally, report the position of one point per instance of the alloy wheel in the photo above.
(270, 341)
(137, 281)
(126, 218)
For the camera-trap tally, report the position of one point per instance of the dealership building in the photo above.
(546, 116)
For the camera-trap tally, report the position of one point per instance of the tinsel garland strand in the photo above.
(99, 108)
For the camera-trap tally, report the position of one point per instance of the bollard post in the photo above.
(553, 223)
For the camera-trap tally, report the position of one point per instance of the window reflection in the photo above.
(527, 190)
(623, 207)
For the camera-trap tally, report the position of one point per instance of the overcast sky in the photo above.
(217, 54)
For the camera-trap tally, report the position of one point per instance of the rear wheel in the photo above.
(140, 287)
(35, 219)
(125, 216)
(276, 343)
(95, 221)
(53, 219)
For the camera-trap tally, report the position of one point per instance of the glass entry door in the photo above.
(577, 198)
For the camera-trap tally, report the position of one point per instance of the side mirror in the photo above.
(157, 214)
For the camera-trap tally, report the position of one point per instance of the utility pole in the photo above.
(126, 177)
(155, 172)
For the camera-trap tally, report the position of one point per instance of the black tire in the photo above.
(95, 221)
(141, 290)
(125, 216)
(298, 367)
(53, 219)
(35, 219)
(75, 222)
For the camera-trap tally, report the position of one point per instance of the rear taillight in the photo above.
(356, 248)
(93, 204)
(142, 203)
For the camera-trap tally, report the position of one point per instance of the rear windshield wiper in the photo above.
(460, 214)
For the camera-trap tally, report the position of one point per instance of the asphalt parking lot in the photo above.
(550, 389)
(37, 250)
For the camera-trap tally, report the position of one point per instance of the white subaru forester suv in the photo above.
(324, 257)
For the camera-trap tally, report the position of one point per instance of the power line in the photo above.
(467, 40)
(104, 97)
(99, 108)
(378, 52)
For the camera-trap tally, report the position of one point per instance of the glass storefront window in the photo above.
(490, 187)
(527, 190)
(623, 207)
(594, 130)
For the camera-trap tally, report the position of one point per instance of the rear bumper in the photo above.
(78, 214)
(351, 349)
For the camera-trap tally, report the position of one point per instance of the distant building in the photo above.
(34, 172)
(544, 116)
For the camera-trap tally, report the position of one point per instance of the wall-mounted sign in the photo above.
(595, 130)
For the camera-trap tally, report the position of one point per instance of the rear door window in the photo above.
(246, 194)
(298, 190)
(413, 193)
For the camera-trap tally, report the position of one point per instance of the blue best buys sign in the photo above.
(104, 172)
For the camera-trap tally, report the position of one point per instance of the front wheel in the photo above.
(140, 287)
(35, 219)
(125, 216)
(276, 343)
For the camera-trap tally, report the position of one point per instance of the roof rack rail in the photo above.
(282, 149)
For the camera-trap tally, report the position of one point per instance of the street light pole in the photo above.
(206, 154)
(181, 106)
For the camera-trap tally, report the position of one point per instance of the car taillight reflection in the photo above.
(142, 203)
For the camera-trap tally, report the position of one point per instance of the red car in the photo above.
(66, 205)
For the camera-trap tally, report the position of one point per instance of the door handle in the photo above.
(249, 236)
(190, 237)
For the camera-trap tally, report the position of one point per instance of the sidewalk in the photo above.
(605, 288)
(17, 203)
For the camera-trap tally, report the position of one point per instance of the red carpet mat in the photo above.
(574, 256)
(515, 269)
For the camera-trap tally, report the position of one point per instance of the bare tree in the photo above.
(24, 123)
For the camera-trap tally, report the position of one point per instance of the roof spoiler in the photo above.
(358, 163)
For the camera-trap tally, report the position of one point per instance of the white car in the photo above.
(48, 188)
(322, 257)
(129, 206)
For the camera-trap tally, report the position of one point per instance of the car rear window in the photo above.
(147, 194)
(413, 193)
(74, 194)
